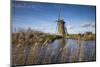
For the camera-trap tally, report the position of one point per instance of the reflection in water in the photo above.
(59, 51)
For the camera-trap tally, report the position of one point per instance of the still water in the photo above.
(67, 50)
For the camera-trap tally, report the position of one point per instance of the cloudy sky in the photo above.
(43, 16)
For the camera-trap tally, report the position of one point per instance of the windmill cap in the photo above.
(60, 20)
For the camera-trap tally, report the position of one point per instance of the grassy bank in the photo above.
(81, 36)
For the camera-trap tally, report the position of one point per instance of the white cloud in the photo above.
(69, 27)
(91, 25)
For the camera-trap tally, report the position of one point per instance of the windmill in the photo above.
(61, 29)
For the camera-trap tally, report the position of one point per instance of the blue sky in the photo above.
(43, 16)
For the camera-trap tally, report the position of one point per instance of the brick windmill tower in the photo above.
(61, 29)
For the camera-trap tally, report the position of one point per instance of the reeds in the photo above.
(28, 45)
(34, 47)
